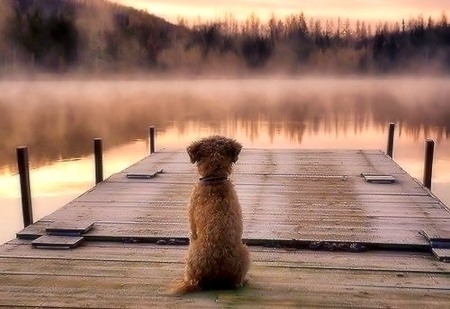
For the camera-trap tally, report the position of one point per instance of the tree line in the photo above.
(102, 37)
(299, 45)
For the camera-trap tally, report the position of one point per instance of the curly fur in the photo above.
(216, 258)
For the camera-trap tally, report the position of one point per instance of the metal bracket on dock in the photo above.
(62, 235)
(378, 178)
(69, 228)
(143, 175)
(439, 244)
(56, 242)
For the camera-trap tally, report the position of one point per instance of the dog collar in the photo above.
(213, 178)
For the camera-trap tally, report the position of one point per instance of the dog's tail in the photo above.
(181, 286)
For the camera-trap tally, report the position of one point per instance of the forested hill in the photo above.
(96, 36)
(85, 35)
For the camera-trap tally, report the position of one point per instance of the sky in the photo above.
(367, 10)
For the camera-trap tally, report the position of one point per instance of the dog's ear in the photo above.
(193, 151)
(235, 150)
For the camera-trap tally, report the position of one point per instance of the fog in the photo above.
(59, 119)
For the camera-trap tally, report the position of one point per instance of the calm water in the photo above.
(57, 120)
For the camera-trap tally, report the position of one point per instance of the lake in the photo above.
(58, 119)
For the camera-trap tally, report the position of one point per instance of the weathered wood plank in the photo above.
(133, 276)
(129, 231)
(293, 290)
(395, 261)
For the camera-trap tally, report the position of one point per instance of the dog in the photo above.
(217, 257)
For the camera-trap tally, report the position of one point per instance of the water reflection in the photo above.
(56, 184)
(58, 119)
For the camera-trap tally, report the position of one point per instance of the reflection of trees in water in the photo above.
(62, 125)
(417, 120)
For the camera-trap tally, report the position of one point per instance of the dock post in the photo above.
(390, 145)
(428, 169)
(24, 174)
(98, 154)
(151, 132)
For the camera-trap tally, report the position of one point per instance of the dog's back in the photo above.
(219, 214)
(217, 258)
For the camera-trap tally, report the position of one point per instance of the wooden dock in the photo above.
(345, 228)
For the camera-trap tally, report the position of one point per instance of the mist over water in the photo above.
(57, 120)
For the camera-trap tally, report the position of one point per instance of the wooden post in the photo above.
(151, 135)
(98, 153)
(24, 174)
(390, 145)
(428, 169)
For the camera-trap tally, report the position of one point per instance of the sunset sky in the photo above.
(368, 10)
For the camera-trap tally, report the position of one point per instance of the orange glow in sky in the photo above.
(367, 10)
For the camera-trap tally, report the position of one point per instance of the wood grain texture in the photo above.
(288, 198)
(114, 275)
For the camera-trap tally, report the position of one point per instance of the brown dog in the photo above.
(217, 258)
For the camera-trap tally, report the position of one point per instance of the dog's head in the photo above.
(214, 155)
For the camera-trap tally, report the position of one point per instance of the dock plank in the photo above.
(290, 200)
(140, 275)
